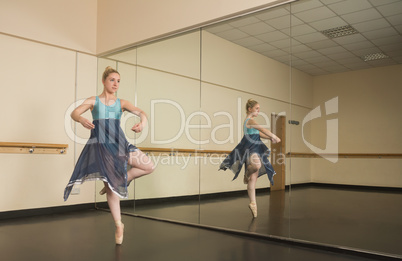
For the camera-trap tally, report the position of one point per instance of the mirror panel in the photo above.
(171, 101)
(168, 90)
(237, 66)
(344, 186)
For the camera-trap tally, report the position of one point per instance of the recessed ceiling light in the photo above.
(339, 31)
(374, 56)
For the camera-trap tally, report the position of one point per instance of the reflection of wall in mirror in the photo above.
(368, 112)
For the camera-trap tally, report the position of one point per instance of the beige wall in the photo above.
(369, 122)
(40, 82)
(68, 24)
(123, 23)
(45, 68)
(99, 26)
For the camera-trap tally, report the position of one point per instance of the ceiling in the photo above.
(296, 29)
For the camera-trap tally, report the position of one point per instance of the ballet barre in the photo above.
(188, 152)
(346, 155)
(32, 148)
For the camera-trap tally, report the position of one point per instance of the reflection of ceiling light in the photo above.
(339, 31)
(374, 56)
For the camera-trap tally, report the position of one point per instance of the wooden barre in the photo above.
(344, 155)
(32, 148)
(289, 154)
(50, 148)
(177, 150)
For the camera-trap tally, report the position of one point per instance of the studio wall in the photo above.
(145, 20)
(369, 109)
(67, 24)
(41, 83)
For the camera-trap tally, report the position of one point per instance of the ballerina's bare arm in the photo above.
(264, 133)
(76, 114)
(127, 106)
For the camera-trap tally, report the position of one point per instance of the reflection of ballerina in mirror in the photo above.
(107, 154)
(252, 227)
(252, 152)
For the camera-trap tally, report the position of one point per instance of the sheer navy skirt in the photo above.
(250, 144)
(104, 157)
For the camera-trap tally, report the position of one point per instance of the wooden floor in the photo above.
(89, 235)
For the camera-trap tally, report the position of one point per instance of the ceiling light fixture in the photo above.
(374, 56)
(339, 31)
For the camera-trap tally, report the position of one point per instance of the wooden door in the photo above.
(278, 151)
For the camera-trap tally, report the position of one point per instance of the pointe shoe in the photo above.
(102, 191)
(119, 239)
(253, 208)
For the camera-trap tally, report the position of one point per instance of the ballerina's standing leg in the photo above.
(114, 205)
(253, 166)
(140, 165)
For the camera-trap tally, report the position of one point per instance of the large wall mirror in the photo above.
(326, 74)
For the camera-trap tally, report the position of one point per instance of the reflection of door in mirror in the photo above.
(278, 126)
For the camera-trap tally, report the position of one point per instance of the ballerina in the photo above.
(108, 155)
(252, 152)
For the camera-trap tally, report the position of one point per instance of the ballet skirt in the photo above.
(106, 153)
(250, 143)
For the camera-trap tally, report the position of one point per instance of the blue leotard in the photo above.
(102, 111)
(249, 130)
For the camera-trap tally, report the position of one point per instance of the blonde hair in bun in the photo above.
(250, 104)
(108, 71)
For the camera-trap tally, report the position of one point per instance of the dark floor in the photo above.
(365, 220)
(89, 235)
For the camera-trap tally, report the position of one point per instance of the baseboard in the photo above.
(349, 187)
(45, 211)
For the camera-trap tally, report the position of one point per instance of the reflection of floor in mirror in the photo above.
(186, 211)
(89, 235)
(363, 219)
